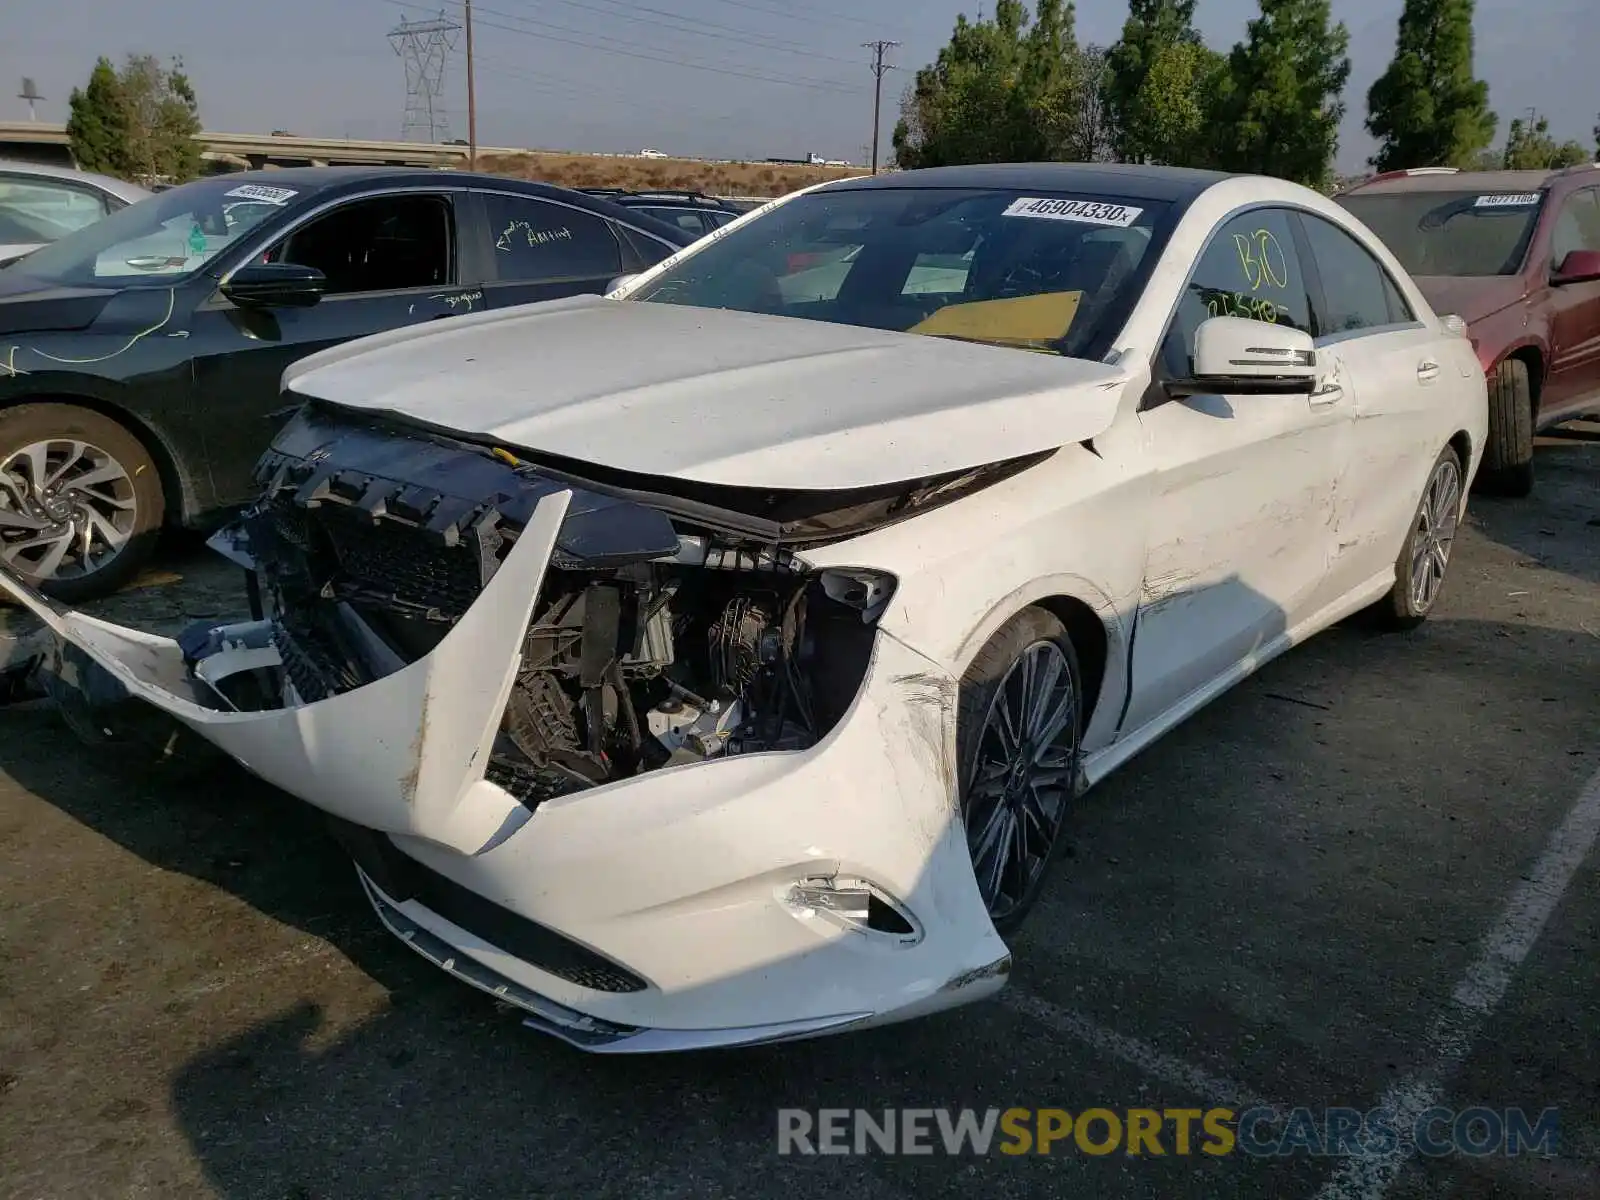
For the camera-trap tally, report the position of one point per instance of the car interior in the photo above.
(387, 244)
(901, 282)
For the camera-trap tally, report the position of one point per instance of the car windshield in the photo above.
(167, 236)
(1042, 271)
(1451, 233)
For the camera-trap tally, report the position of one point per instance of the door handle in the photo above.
(1427, 371)
(1331, 394)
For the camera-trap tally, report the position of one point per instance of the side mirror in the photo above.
(620, 282)
(1579, 266)
(275, 285)
(1240, 357)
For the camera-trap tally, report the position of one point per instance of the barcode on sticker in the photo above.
(263, 193)
(1085, 212)
(1519, 200)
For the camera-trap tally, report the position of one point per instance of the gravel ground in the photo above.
(1362, 875)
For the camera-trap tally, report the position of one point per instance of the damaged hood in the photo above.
(716, 396)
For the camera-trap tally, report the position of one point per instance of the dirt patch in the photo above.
(642, 174)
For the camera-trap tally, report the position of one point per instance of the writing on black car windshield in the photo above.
(1035, 271)
(1451, 233)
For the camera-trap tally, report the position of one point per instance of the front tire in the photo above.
(1508, 455)
(1018, 741)
(81, 502)
(1420, 570)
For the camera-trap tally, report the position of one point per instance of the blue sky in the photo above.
(769, 78)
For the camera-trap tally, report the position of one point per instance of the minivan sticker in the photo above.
(1517, 200)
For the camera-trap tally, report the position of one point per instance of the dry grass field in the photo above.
(712, 178)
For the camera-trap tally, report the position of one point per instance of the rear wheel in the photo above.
(1508, 456)
(1018, 739)
(80, 500)
(1419, 571)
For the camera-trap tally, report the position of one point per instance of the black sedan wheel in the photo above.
(80, 500)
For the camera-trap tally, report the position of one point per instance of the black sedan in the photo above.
(140, 357)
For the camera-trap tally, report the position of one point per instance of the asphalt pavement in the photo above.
(1362, 878)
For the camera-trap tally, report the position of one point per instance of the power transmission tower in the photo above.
(30, 93)
(425, 47)
(878, 48)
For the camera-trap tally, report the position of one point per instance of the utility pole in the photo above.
(472, 97)
(878, 48)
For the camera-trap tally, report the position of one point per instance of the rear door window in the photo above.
(1356, 291)
(686, 219)
(538, 241)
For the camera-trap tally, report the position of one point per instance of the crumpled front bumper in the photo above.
(708, 885)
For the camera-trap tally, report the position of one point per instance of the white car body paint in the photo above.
(1204, 535)
(727, 397)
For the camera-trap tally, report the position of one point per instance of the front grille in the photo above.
(403, 878)
(396, 564)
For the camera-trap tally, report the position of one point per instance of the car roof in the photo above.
(1170, 184)
(1462, 181)
(117, 187)
(326, 180)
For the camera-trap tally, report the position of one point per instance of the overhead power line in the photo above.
(699, 27)
(606, 45)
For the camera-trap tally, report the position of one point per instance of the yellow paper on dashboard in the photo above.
(1025, 321)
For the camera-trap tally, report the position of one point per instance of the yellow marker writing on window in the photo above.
(1262, 258)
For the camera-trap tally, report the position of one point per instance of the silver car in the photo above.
(40, 204)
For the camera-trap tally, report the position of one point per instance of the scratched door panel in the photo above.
(391, 261)
(541, 250)
(1238, 541)
(1243, 487)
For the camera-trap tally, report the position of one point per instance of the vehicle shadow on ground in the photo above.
(1558, 527)
(442, 1094)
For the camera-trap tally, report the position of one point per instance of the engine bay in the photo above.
(654, 641)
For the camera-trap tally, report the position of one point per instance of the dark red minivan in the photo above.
(1516, 254)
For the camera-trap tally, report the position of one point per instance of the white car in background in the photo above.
(718, 662)
(41, 204)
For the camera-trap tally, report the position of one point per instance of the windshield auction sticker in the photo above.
(1085, 212)
(1519, 200)
(263, 193)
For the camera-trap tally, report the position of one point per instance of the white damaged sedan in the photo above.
(717, 662)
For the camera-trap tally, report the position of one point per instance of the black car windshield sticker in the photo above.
(536, 237)
(1517, 200)
(263, 193)
(1084, 212)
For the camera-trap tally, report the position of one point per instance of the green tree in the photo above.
(1597, 137)
(1159, 80)
(1428, 109)
(163, 118)
(1009, 89)
(97, 127)
(1278, 103)
(1529, 147)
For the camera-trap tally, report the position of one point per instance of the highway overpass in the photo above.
(43, 141)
